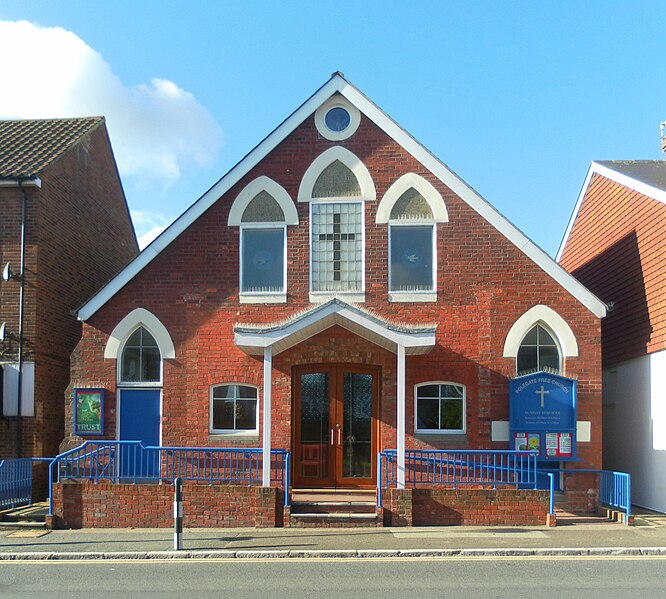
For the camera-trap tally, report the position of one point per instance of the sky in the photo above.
(515, 97)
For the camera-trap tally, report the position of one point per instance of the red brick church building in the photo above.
(339, 292)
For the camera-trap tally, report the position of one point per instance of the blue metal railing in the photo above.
(441, 467)
(132, 462)
(15, 482)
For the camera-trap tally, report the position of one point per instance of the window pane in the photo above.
(263, 260)
(411, 258)
(147, 340)
(428, 391)
(223, 414)
(549, 357)
(130, 371)
(223, 391)
(453, 391)
(452, 414)
(531, 337)
(245, 391)
(527, 358)
(427, 416)
(134, 339)
(545, 338)
(150, 364)
(246, 414)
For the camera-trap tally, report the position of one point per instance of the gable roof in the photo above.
(644, 176)
(27, 147)
(338, 84)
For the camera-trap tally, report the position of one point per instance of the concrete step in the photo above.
(35, 514)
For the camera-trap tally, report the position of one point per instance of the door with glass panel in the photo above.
(335, 426)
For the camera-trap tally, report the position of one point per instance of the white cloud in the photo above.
(156, 127)
(148, 225)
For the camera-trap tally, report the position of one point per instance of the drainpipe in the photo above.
(19, 439)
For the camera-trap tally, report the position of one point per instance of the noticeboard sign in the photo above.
(543, 415)
(89, 411)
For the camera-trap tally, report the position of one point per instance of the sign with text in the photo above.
(543, 415)
(89, 411)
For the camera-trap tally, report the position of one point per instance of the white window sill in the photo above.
(442, 432)
(233, 436)
(262, 298)
(412, 296)
(351, 297)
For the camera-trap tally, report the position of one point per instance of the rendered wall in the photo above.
(634, 420)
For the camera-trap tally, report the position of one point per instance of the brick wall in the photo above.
(484, 285)
(79, 234)
(106, 505)
(465, 506)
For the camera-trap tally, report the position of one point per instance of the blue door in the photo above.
(139, 421)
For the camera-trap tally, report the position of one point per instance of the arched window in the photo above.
(412, 207)
(262, 210)
(336, 185)
(141, 361)
(538, 351)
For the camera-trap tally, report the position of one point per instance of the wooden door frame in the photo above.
(334, 369)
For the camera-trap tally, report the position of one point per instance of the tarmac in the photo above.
(573, 536)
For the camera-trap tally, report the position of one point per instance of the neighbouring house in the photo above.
(615, 244)
(340, 296)
(65, 230)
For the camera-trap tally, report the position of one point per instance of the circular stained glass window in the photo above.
(337, 119)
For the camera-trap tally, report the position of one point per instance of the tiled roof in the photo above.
(650, 172)
(29, 146)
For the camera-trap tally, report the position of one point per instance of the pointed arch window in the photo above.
(262, 211)
(538, 351)
(141, 361)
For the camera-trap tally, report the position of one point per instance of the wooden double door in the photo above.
(335, 425)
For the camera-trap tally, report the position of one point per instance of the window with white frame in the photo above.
(440, 408)
(141, 361)
(337, 246)
(263, 237)
(538, 351)
(411, 239)
(233, 409)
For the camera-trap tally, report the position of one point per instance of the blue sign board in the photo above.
(542, 417)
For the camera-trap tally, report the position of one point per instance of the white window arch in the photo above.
(139, 336)
(412, 207)
(538, 318)
(337, 185)
(262, 211)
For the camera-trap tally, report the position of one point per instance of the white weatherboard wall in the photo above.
(634, 426)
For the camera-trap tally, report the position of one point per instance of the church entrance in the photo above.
(335, 425)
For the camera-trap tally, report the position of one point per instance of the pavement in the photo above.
(574, 536)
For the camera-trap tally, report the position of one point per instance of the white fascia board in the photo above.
(574, 214)
(35, 182)
(477, 203)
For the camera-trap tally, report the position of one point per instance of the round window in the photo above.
(337, 119)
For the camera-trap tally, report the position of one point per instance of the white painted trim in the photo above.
(251, 190)
(423, 186)
(320, 118)
(338, 84)
(412, 296)
(262, 298)
(36, 182)
(334, 313)
(9, 406)
(268, 388)
(136, 318)
(609, 173)
(443, 431)
(351, 161)
(400, 418)
(350, 297)
(541, 314)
